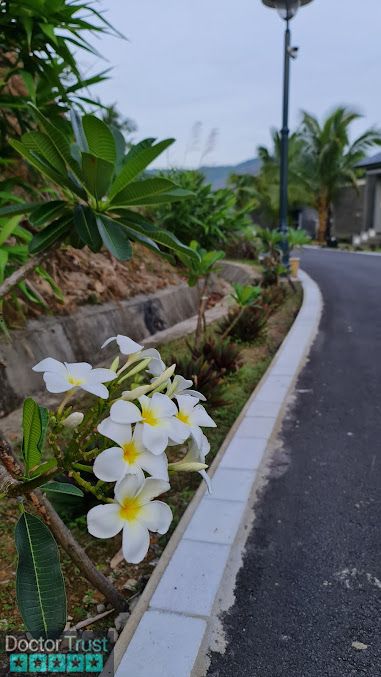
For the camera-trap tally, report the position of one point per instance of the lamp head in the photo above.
(286, 8)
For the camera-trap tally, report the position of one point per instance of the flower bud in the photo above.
(186, 466)
(73, 420)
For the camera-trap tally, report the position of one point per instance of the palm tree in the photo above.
(330, 159)
(266, 183)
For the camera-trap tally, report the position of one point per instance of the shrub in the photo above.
(209, 216)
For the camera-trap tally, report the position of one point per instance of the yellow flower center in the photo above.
(130, 452)
(183, 417)
(149, 417)
(75, 381)
(130, 509)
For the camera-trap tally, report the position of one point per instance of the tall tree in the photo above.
(330, 159)
(262, 190)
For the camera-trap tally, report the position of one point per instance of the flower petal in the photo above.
(128, 487)
(109, 340)
(55, 383)
(117, 432)
(110, 465)
(196, 433)
(50, 364)
(152, 488)
(177, 430)
(127, 346)
(125, 412)
(104, 521)
(195, 393)
(155, 438)
(135, 542)
(96, 389)
(78, 369)
(201, 417)
(186, 403)
(207, 480)
(163, 405)
(156, 516)
(157, 466)
(101, 376)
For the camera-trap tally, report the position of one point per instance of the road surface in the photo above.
(308, 596)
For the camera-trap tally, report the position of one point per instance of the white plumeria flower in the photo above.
(60, 377)
(181, 386)
(135, 512)
(156, 365)
(129, 457)
(157, 418)
(190, 417)
(126, 345)
(193, 459)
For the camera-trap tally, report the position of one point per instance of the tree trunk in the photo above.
(323, 211)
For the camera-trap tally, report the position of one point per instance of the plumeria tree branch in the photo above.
(10, 470)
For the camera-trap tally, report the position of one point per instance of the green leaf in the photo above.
(62, 488)
(139, 190)
(34, 423)
(40, 587)
(86, 226)
(47, 212)
(40, 142)
(59, 140)
(3, 264)
(161, 236)
(31, 434)
(23, 208)
(52, 233)
(45, 168)
(137, 160)
(99, 138)
(58, 293)
(114, 237)
(31, 294)
(97, 174)
(8, 228)
(173, 196)
(43, 468)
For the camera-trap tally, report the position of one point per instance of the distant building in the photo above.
(372, 194)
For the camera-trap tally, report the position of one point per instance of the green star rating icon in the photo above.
(57, 662)
(38, 662)
(94, 662)
(18, 662)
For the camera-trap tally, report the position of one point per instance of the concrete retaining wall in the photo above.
(78, 337)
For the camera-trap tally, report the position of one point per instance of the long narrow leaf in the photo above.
(114, 238)
(136, 162)
(40, 587)
(86, 227)
(99, 138)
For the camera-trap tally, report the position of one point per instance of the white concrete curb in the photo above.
(167, 639)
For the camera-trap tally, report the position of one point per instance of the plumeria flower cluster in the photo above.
(142, 423)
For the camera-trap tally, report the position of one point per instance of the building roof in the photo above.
(373, 162)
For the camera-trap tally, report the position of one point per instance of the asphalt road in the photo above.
(308, 596)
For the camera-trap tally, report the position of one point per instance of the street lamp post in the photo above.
(287, 10)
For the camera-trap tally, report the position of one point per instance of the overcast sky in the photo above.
(219, 62)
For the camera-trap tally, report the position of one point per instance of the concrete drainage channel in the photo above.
(168, 632)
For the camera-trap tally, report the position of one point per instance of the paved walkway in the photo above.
(308, 595)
